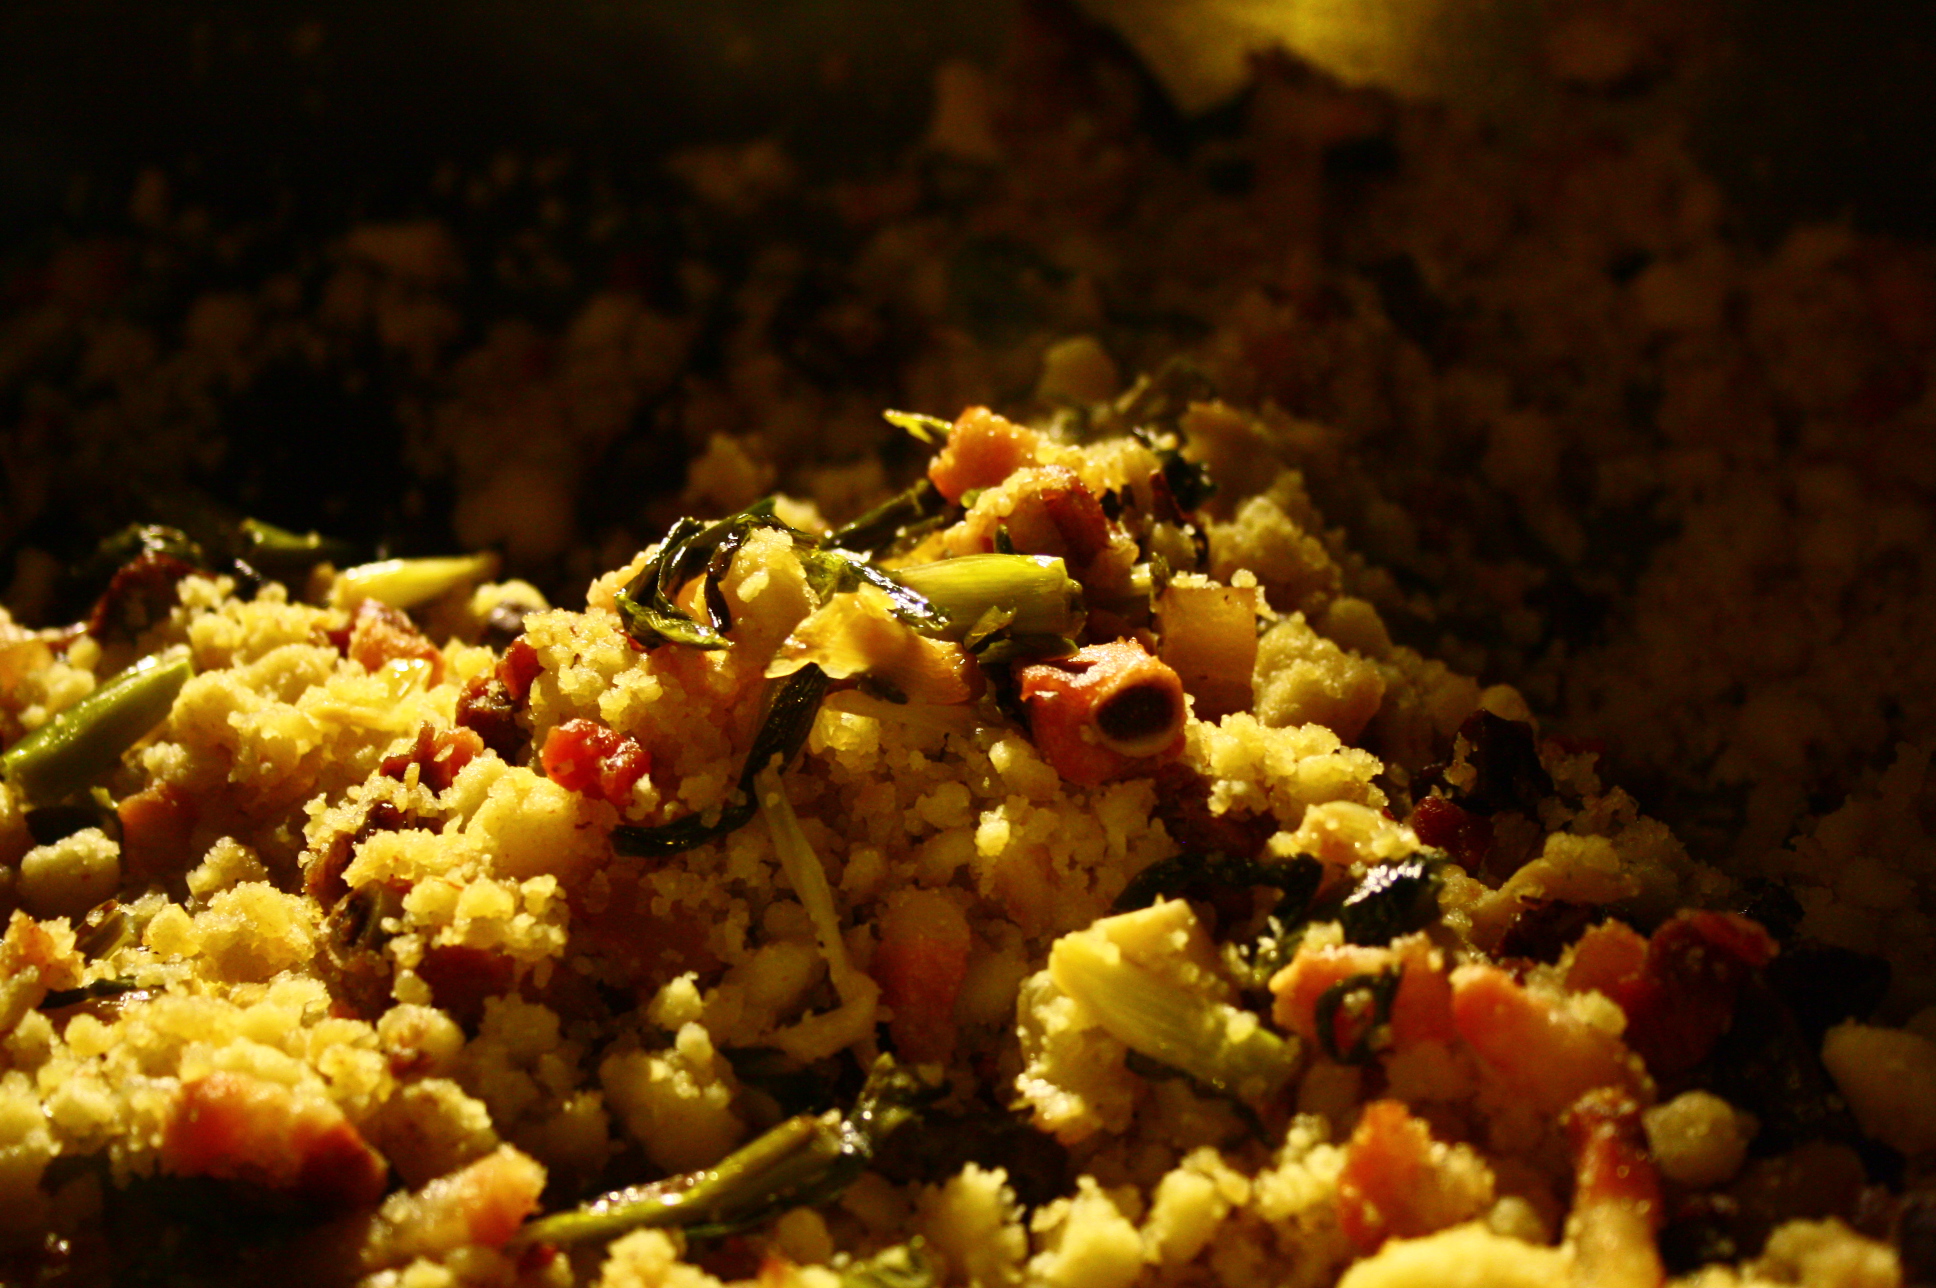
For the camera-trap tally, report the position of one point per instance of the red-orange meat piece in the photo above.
(920, 964)
(1399, 1183)
(1421, 1011)
(380, 634)
(438, 754)
(1534, 1044)
(157, 824)
(1097, 713)
(1679, 987)
(234, 1126)
(981, 451)
(587, 758)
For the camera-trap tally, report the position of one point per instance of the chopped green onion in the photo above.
(905, 1265)
(647, 607)
(1365, 1003)
(918, 508)
(836, 572)
(99, 991)
(280, 553)
(406, 583)
(1046, 601)
(805, 1160)
(808, 877)
(929, 429)
(1223, 1047)
(65, 754)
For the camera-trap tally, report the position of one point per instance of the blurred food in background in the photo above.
(1645, 444)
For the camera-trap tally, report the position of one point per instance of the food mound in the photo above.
(1055, 876)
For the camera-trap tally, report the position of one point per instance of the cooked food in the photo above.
(1057, 878)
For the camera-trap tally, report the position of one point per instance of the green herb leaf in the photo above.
(1296, 879)
(929, 429)
(781, 735)
(906, 1265)
(919, 508)
(1393, 899)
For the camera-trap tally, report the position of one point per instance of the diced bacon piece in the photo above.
(157, 824)
(1606, 957)
(486, 708)
(1617, 1207)
(1040, 510)
(439, 755)
(981, 451)
(462, 977)
(141, 593)
(920, 963)
(235, 1126)
(1397, 1182)
(519, 666)
(1678, 988)
(1099, 712)
(1463, 835)
(1076, 514)
(1533, 1043)
(480, 1204)
(380, 634)
(587, 758)
(1421, 1010)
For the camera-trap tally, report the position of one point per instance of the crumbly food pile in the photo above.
(1061, 880)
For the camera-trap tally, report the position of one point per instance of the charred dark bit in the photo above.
(100, 990)
(1506, 760)
(1916, 1238)
(1183, 806)
(50, 823)
(140, 595)
(1542, 932)
(1704, 1229)
(505, 622)
(1772, 904)
(1202, 876)
(352, 962)
(1393, 899)
(1824, 984)
(487, 709)
(1038, 1165)
(1767, 1064)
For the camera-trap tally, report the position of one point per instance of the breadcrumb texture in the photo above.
(344, 972)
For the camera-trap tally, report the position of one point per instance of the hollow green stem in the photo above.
(806, 1159)
(1225, 1048)
(1036, 589)
(406, 583)
(64, 755)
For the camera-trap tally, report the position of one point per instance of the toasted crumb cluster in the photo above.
(1355, 977)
